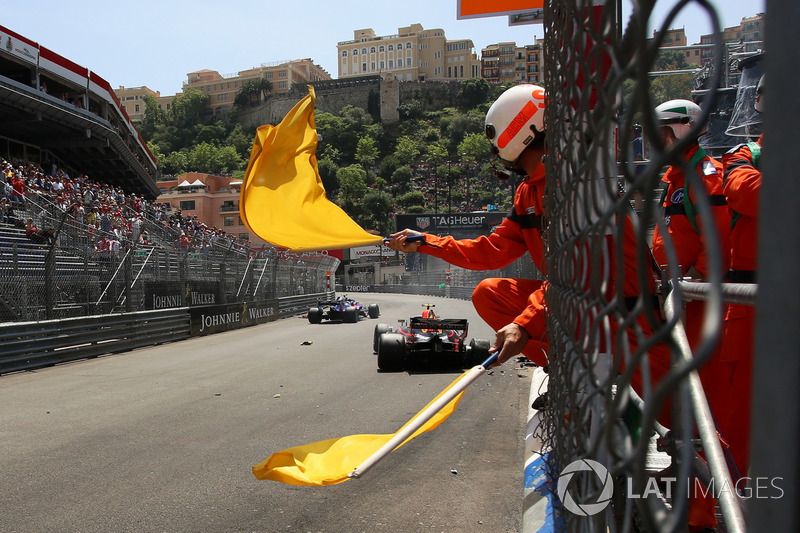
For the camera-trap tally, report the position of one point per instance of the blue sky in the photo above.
(156, 43)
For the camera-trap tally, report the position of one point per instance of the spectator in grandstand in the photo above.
(17, 193)
(5, 211)
(39, 236)
(742, 185)
(683, 230)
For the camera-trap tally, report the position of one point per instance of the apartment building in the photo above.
(214, 200)
(222, 89)
(132, 99)
(507, 63)
(412, 54)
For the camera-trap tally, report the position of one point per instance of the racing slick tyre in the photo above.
(380, 329)
(314, 315)
(351, 314)
(374, 311)
(477, 352)
(391, 352)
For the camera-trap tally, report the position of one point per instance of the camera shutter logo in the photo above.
(585, 509)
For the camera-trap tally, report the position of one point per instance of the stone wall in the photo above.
(373, 93)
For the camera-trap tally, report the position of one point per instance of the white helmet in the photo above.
(515, 119)
(679, 116)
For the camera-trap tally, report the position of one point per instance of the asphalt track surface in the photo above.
(164, 438)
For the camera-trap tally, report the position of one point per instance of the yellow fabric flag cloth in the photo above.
(329, 462)
(282, 198)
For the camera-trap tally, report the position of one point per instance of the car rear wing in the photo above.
(458, 324)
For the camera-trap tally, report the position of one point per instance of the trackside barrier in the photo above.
(32, 345)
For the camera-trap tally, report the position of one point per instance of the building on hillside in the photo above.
(412, 54)
(222, 90)
(747, 37)
(214, 200)
(132, 99)
(507, 63)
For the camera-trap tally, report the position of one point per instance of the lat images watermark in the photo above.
(746, 487)
(585, 509)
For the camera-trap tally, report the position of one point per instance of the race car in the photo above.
(342, 309)
(427, 343)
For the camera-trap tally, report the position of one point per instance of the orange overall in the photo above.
(687, 234)
(742, 184)
(501, 301)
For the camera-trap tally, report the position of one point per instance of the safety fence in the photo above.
(609, 382)
(66, 275)
(32, 345)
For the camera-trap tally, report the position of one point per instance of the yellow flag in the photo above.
(282, 199)
(330, 461)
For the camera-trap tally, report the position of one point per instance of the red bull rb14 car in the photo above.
(428, 344)
(342, 309)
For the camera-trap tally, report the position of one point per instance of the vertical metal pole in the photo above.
(774, 450)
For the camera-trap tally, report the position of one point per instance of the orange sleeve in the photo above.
(742, 182)
(501, 248)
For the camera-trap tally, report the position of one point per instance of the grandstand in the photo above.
(53, 111)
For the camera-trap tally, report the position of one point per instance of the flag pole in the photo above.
(428, 413)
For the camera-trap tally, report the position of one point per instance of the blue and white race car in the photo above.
(342, 309)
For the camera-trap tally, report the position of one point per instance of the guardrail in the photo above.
(32, 345)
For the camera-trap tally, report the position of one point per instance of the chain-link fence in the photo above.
(63, 273)
(610, 345)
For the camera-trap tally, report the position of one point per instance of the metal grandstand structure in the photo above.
(70, 278)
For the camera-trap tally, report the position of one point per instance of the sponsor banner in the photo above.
(366, 251)
(357, 288)
(480, 223)
(164, 295)
(18, 46)
(218, 318)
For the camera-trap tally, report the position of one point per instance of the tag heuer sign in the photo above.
(423, 222)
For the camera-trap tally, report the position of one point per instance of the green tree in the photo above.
(154, 117)
(352, 185)
(473, 92)
(367, 152)
(407, 150)
(327, 173)
(411, 198)
(410, 110)
(670, 87)
(475, 147)
(402, 176)
(376, 211)
(211, 133)
(670, 60)
(241, 141)
(188, 109)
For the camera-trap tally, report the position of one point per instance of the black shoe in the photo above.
(540, 403)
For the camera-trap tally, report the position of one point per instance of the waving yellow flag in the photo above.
(282, 199)
(333, 461)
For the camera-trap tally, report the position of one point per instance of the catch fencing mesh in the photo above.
(604, 316)
(69, 276)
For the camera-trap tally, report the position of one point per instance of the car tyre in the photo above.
(380, 329)
(391, 352)
(315, 315)
(477, 352)
(374, 311)
(351, 314)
